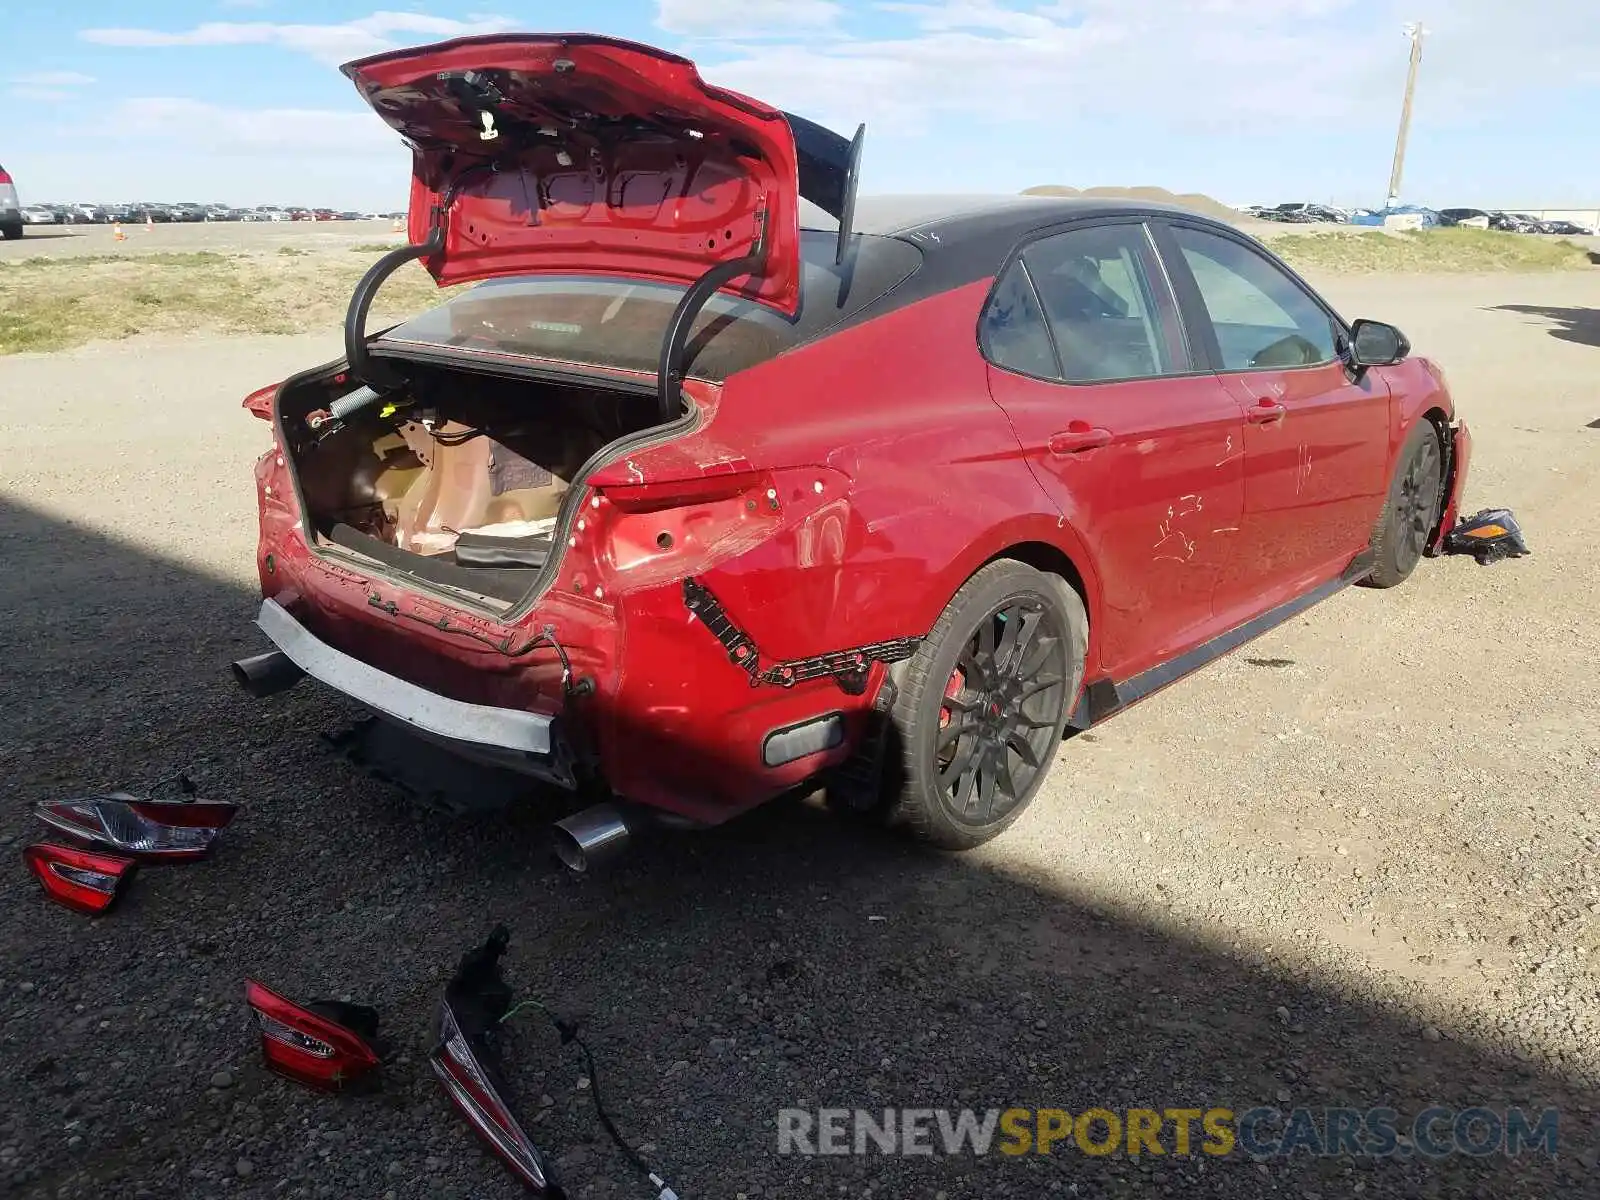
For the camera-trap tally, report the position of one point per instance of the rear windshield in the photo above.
(604, 321)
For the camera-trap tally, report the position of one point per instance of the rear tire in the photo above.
(1411, 512)
(12, 231)
(982, 705)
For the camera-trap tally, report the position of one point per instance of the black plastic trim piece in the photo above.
(847, 668)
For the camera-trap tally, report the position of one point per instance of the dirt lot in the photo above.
(1354, 864)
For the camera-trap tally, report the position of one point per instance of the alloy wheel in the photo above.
(1000, 708)
(1415, 508)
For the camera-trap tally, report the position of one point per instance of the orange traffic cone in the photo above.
(149, 223)
(397, 227)
(116, 232)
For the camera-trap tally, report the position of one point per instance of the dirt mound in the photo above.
(1194, 201)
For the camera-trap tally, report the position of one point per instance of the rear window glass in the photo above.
(611, 322)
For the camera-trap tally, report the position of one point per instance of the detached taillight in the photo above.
(471, 1090)
(327, 1050)
(476, 1000)
(80, 879)
(147, 829)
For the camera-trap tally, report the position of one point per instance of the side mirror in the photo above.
(1374, 344)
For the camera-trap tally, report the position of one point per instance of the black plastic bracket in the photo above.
(847, 668)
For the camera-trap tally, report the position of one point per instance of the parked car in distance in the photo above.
(919, 494)
(1426, 218)
(1513, 222)
(1473, 218)
(38, 215)
(10, 208)
(1565, 228)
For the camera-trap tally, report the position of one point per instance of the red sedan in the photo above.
(708, 494)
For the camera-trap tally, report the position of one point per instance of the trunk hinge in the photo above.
(699, 294)
(380, 375)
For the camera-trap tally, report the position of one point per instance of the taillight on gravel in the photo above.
(468, 1085)
(79, 879)
(146, 829)
(309, 1047)
(476, 1000)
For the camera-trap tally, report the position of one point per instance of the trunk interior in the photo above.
(458, 479)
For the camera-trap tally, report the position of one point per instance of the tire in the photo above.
(1411, 511)
(12, 231)
(958, 790)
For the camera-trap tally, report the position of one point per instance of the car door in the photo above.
(1138, 451)
(1316, 436)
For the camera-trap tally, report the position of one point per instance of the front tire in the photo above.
(982, 705)
(1411, 512)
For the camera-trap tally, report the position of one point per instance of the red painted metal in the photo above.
(715, 176)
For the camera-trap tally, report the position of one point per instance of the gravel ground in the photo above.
(1354, 864)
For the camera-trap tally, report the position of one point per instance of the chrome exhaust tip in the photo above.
(266, 674)
(591, 837)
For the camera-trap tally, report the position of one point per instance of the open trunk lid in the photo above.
(573, 153)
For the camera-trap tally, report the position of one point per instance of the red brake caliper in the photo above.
(958, 680)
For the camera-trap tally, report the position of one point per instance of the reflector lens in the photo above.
(79, 879)
(1487, 531)
(143, 828)
(468, 1086)
(309, 1049)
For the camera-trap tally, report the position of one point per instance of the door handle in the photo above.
(1077, 437)
(1265, 411)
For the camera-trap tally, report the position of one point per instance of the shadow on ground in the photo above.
(1581, 325)
(783, 961)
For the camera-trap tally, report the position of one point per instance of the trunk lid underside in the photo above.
(557, 153)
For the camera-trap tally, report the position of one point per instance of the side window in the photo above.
(1094, 284)
(1012, 332)
(1263, 318)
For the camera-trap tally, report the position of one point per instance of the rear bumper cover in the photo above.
(427, 712)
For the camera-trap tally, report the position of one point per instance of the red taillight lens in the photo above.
(148, 829)
(470, 1089)
(300, 1045)
(4, 178)
(80, 879)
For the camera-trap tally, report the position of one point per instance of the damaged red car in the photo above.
(720, 483)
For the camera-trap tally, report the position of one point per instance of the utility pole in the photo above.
(1414, 31)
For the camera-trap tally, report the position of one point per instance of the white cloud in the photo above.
(745, 18)
(327, 43)
(52, 79)
(217, 129)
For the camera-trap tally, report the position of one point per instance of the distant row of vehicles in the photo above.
(106, 214)
(1301, 213)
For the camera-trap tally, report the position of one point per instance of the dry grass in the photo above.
(55, 303)
(1446, 250)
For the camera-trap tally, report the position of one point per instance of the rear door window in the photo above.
(1012, 330)
(1095, 286)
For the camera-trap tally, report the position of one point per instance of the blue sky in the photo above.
(240, 101)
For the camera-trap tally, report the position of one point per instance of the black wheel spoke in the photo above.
(1040, 684)
(1009, 682)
